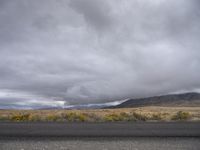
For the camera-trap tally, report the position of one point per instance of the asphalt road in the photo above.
(100, 143)
(142, 129)
(100, 136)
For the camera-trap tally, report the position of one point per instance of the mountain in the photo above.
(185, 99)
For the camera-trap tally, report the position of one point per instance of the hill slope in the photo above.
(186, 99)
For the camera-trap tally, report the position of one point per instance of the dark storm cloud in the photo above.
(91, 51)
(95, 12)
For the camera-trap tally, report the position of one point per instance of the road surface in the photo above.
(142, 129)
(100, 143)
(100, 136)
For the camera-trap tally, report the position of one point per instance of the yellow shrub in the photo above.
(112, 117)
(74, 117)
(34, 118)
(138, 117)
(20, 117)
(53, 118)
(181, 116)
(157, 116)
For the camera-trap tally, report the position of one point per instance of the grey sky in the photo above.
(66, 52)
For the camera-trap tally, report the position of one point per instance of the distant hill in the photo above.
(186, 99)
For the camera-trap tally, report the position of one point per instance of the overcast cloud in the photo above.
(67, 52)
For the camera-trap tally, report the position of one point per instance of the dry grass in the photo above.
(102, 115)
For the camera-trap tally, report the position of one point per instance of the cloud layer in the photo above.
(94, 51)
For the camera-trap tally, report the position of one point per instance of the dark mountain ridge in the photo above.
(185, 99)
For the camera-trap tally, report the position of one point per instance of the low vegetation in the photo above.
(75, 117)
(103, 115)
(20, 117)
(133, 116)
(181, 116)
(157, 116)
